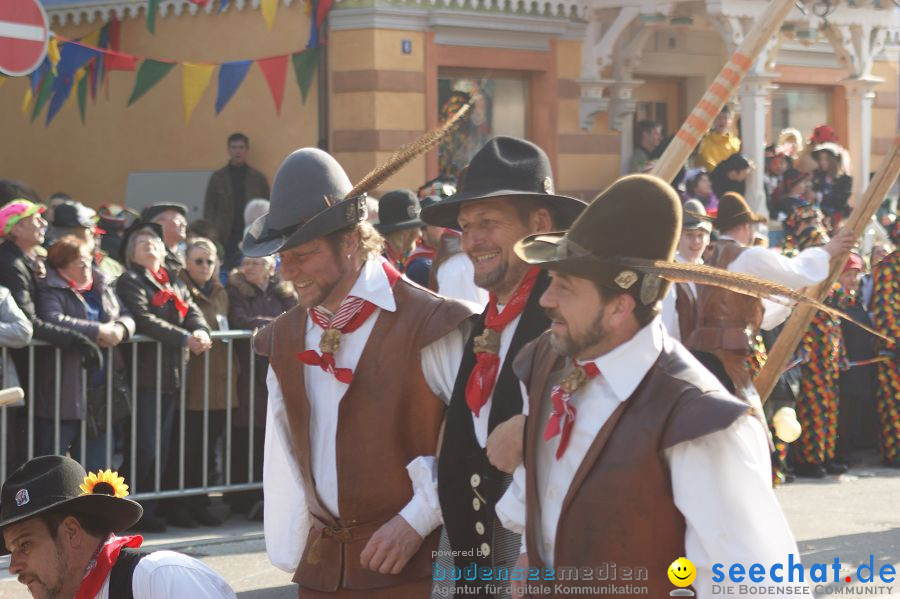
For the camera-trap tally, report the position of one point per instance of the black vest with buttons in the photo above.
(468, 486)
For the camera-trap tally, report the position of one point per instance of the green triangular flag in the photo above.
(305, 64)
(44, 93)
(152, 5)
(82, 96)
(149, 74)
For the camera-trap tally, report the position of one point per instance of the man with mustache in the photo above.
(506, 193)
(635, 454)
(360, 372)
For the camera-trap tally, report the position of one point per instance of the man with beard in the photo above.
(360, 372)
(60, 530)
(635, 454)
(506, 193)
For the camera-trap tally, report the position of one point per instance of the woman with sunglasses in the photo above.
(199, 276)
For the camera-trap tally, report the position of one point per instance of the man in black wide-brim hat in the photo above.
(506, 193)
(635, 455)
(360, 373)
(60, 528)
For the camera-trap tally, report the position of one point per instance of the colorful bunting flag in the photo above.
(231, 75)
(269, 8)
(44, 92)
(305, 64)
(195, 79)
(149, 74)
(223, 4)
(116, 61)
(2, 80)
(152, 6)
(82, 97)
(53, 52)
(275, 71)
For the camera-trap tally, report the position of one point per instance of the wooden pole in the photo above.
(798, 323)
(722, 88)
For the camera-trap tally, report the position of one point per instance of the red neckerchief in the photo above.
(350, 315)
(562, 418)
(398, 261)
(87, 286)
(487, 345)
(168, 294)
(100, 566)
(422, 250)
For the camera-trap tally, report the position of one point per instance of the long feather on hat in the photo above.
(679, 272)
(404, 155)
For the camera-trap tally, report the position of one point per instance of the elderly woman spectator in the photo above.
(75, 294)
(15, 331)
(256, 296)
(207, 389)
(162, 309)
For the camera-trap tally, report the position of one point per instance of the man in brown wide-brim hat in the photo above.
(635, 454)
(728, 322)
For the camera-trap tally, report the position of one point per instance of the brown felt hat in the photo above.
(734, 211)
(637, 217)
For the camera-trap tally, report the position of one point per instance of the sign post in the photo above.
(24, 33)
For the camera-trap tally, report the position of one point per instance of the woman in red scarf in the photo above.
(163, 309)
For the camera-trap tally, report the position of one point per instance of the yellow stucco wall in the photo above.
(884, 111)
(92, 161)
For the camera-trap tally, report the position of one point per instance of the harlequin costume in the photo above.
(822, 357)
(886, 317)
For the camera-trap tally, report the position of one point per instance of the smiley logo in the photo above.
(682, 572)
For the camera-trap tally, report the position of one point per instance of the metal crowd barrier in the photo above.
(227, 337)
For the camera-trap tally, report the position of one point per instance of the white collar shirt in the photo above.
(171, 575)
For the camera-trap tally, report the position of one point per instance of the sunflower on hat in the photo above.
(104, 482)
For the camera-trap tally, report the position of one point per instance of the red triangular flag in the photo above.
(275, 71)
(322, 10)
(114, 32)
(116, 61)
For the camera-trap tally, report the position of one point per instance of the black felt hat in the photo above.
(53, 482)
(308, 200)
(398, 210)
(505, 167)
(734, 211)
(151, 212)
(73, 214)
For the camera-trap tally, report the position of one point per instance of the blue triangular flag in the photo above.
(223, 4)
(231, 75)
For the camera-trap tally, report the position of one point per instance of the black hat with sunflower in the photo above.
(58, 483)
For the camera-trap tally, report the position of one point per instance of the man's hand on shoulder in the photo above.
(391, 547)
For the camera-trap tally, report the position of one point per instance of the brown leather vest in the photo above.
(686, 306)
(726, 320)
(619, 508)
(388, 417)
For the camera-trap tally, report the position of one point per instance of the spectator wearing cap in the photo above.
(60, 528)
(23, 229)
(172, 218)
(830, 181)
(777, 163)
(227, 194)
(679, 307)
(418, 267)
(698, 186)
(77, 295)
(400, 225)
(719, 143)
(113, 220)
(856, 419)
(647, 135)
(730, 175)
(75, 219)
(162, 309)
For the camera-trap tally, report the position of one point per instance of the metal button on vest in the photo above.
(476, 504)
(479, 528)
(485, 550)
(475, 480)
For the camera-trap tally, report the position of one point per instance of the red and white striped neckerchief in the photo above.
(562, 418)
(350, 315)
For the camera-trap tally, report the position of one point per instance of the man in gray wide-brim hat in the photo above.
(360, 374)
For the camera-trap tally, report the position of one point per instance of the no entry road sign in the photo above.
(24, 33)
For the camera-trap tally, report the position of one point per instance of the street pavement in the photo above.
(850, 517)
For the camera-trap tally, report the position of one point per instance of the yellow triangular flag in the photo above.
(269, 8)
(26, 101)
(53, 52)
(2, 80)
(92, 39)
(195, 79)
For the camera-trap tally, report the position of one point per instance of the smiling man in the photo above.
(635, 454)
(506, 193)
(360, 373)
